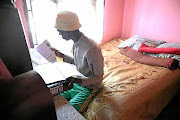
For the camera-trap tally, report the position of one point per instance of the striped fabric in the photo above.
(85, 104)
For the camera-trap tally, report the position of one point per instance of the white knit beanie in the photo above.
(67, 21)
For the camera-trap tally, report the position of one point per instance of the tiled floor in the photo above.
(65, 111)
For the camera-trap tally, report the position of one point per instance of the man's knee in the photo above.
(66, 95)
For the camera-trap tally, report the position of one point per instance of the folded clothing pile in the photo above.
(169, 63)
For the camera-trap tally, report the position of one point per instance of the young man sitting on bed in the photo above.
(87, 57)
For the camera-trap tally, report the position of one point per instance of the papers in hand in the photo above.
(42, 54)
(54, 72)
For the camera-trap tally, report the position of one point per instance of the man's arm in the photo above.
(66, 58)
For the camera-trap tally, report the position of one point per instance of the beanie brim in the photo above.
(67, 27)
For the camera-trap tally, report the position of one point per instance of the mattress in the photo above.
(132, 91)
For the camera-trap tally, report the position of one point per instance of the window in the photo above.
(42, 14)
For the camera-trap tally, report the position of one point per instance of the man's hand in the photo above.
(68, 84)
(58, 54)
(77, 80)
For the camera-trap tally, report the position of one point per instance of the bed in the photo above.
(132, 90)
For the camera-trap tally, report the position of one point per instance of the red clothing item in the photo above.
(147, 49)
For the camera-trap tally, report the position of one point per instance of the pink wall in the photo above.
(19, 6)
(113, 18)
(156, 19)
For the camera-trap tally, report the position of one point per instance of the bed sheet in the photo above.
(132, 91)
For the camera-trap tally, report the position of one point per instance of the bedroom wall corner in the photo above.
(113, 18)
(154, 19)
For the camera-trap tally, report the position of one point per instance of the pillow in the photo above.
(164, 45)
(4, 72)
(129, 42)
(136, 41)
